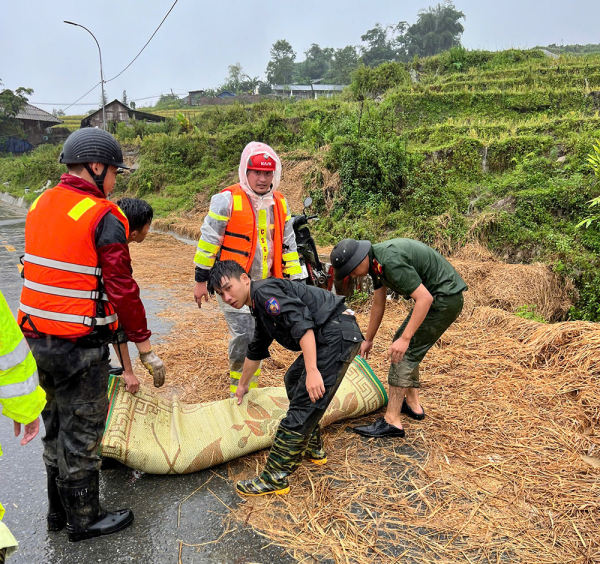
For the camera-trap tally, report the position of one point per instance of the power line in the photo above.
(75, 102)
(131, 63)
(155, 31)
(88, 103)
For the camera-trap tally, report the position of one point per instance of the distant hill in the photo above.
(589, 49)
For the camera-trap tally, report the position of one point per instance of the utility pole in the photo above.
(101, 73)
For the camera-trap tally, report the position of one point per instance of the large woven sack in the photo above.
(150, 433)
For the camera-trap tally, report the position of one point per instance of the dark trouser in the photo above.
(75, 380)
(443, 312)
(338, 342)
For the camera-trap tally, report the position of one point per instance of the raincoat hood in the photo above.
(256, 148)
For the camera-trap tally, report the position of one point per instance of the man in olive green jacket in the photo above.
(413, 270)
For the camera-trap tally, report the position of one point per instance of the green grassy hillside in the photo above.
(464, 146)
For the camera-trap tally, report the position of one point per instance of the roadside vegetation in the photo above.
(463, 146)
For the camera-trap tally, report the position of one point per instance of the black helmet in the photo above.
(92, 145)
(347, 255)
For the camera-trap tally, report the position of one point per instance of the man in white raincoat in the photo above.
(250, 223)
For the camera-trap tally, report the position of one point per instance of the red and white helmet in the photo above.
(262, 161)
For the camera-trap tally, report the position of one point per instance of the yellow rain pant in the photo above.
(158, 436)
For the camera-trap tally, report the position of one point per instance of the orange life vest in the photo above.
(243, 235)
(63, 281)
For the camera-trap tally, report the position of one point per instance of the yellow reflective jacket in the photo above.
(21, 397)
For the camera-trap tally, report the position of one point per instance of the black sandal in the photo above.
(406, 409)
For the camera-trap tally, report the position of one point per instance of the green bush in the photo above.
(372, 82)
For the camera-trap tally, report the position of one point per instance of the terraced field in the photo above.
(485, 147)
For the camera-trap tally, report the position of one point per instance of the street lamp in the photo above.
(101, 73)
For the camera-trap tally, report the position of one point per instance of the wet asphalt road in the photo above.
(154, 536)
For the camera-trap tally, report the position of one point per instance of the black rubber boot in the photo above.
(284, 458)
(315, 452)
(57, 516)
(85, 518)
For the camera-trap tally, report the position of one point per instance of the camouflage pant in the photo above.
(443, 312)
(75, 380)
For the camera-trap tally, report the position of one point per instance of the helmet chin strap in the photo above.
(97, 178)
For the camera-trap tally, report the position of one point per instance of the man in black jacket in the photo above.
(300, 318)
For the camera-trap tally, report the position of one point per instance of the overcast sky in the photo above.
(200, 39)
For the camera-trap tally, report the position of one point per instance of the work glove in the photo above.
(155, 366)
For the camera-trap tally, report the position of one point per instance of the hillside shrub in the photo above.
(371, 171)
(372, 82)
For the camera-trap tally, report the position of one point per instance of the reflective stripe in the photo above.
(237, 375)
(122, 212)
(57, 291)
(201, 258)
(20, 388)
(284, 206)
(209, 247)
(68, 318)
(68, 266)
(16, 356)
(293, 270)
(217, 217)
(290, 256)
(262, 238)
(238, 205)
(32, 206)
(80, 208)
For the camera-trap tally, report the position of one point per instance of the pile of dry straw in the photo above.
(505, 467)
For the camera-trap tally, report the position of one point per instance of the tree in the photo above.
(343, 64)
(132, 105)
(235, 78)
(437, 29)
(11, 103)
(103, 99)
(281, 66)
(124, 99)
(57, 113)
(169, 102)
(381, 45)
(316, 64)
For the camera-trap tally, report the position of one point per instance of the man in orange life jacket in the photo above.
(249, 223)
(77, 281)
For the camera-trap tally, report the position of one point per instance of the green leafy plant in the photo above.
(358, 299)
(529, 312)
(594, 163)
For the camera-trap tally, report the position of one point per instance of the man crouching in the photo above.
(300, 318)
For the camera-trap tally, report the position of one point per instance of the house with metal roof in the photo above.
(116, 112)
(307, 91)
(36, 125)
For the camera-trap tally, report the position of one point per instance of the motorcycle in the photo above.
(316, 273)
